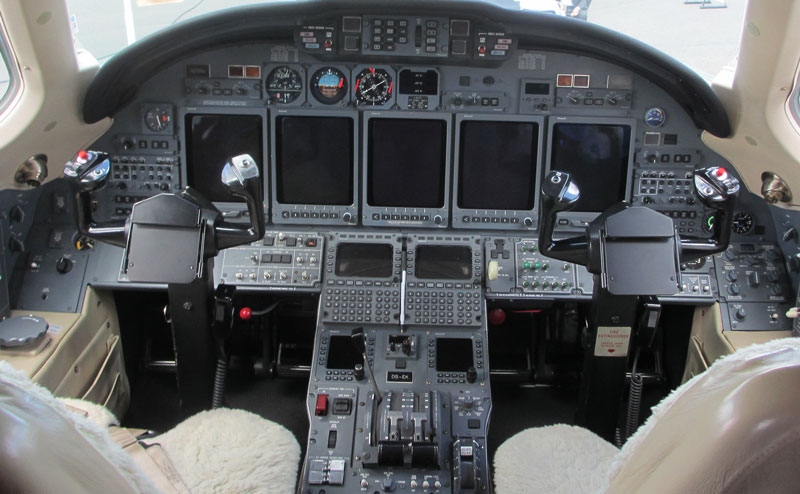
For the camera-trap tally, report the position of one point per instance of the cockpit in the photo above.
(403, 235)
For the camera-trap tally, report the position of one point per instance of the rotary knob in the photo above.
(347, 217)
(734, 289)
(437, 219)
(527, 222)
(64, 264)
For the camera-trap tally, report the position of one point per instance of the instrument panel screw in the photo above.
(187, 306)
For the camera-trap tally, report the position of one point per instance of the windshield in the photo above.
(703, 34)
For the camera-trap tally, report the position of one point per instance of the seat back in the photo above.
(46, 448)
(734, 429)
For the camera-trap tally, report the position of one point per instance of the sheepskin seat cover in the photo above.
(572, 460)
(217, 451)
(227, 450)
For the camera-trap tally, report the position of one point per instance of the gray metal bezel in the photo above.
(301, 99)
(278, 209)
(180, 131)
(313, 102)
(392, 97)
(580, 220)
(498, 213)
(368, 210)
(434, 99)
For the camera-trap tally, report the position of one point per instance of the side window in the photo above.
(9, 79)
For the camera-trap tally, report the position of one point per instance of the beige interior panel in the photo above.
(47, 117)
(708, 341)
(764, 134)
(82, 355)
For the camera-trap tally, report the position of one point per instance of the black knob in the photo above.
(740, 314)
(734, 289)
(64, 265)
(472, 375)
(347, 217)
(128, 144)
(437, 219)
(164, 187)
(15, 244)
(17, 214)
(527, 222)
(358, 372)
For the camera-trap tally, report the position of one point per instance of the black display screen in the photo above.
(423, 82)
(342, 353)
(537, 88)
(497, 165)
(314, 160)
(443, 262)
(596, 156)
(364, 260)
(453, 354)
(211, 140)
(406, 162)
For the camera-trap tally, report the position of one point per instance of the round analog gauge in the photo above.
(742, 223)
(328, 85)
(655, 117)
(373, 87)
(284, 84)
(158, 118)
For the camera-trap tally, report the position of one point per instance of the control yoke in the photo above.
(182, 217)
(714, 186)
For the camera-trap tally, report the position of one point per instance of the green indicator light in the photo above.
(526, 265)
(537, 265)
(525, 284)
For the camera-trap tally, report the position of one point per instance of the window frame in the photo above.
(14, 76)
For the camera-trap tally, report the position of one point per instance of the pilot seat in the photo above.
(731, 429)
(61, 445)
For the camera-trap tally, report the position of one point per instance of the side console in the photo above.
(754, 287)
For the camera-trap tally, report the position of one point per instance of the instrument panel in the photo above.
(403, 144)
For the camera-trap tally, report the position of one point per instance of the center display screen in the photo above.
(342, 353)
(443, 262)
(497, 165)
(364, 260)
(406, 162)
(453, 354)
(314, 160)
(211, 140)
(596, 156)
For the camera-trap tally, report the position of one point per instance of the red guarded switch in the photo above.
(322, 405)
